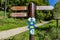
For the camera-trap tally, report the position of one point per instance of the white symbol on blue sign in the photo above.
(53, 2)
(32, 31)
(31, 23)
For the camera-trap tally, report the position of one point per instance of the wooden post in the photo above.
(31, 10)
(31, 13)
(5, 8)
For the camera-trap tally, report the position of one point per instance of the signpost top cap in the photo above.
(31, 3)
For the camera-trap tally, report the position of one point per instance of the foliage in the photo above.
(43, 15)
(1, 13)
(56, 11)
(9, 23)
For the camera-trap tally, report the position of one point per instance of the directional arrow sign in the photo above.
(44, 7)
(19, 8)
(18, 14)
(53, 2)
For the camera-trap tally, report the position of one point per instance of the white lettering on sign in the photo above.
(44, 7)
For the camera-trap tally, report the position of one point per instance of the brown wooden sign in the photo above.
(18, 14)
(19, 8)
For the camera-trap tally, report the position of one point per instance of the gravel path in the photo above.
(7, 33)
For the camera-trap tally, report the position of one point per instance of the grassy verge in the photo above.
(44, 32)
(9, 23)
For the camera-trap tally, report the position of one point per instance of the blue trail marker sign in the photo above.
(31, 23)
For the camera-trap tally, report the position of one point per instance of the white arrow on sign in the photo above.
(44, 7)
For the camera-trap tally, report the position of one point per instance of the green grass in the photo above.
(10, 23)
(44, 32)
(1, 13)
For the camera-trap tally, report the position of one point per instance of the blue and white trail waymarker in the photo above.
(53, 2)
(31, 23)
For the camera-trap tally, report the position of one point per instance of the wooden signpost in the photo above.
(31, 14)
(19, 8)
